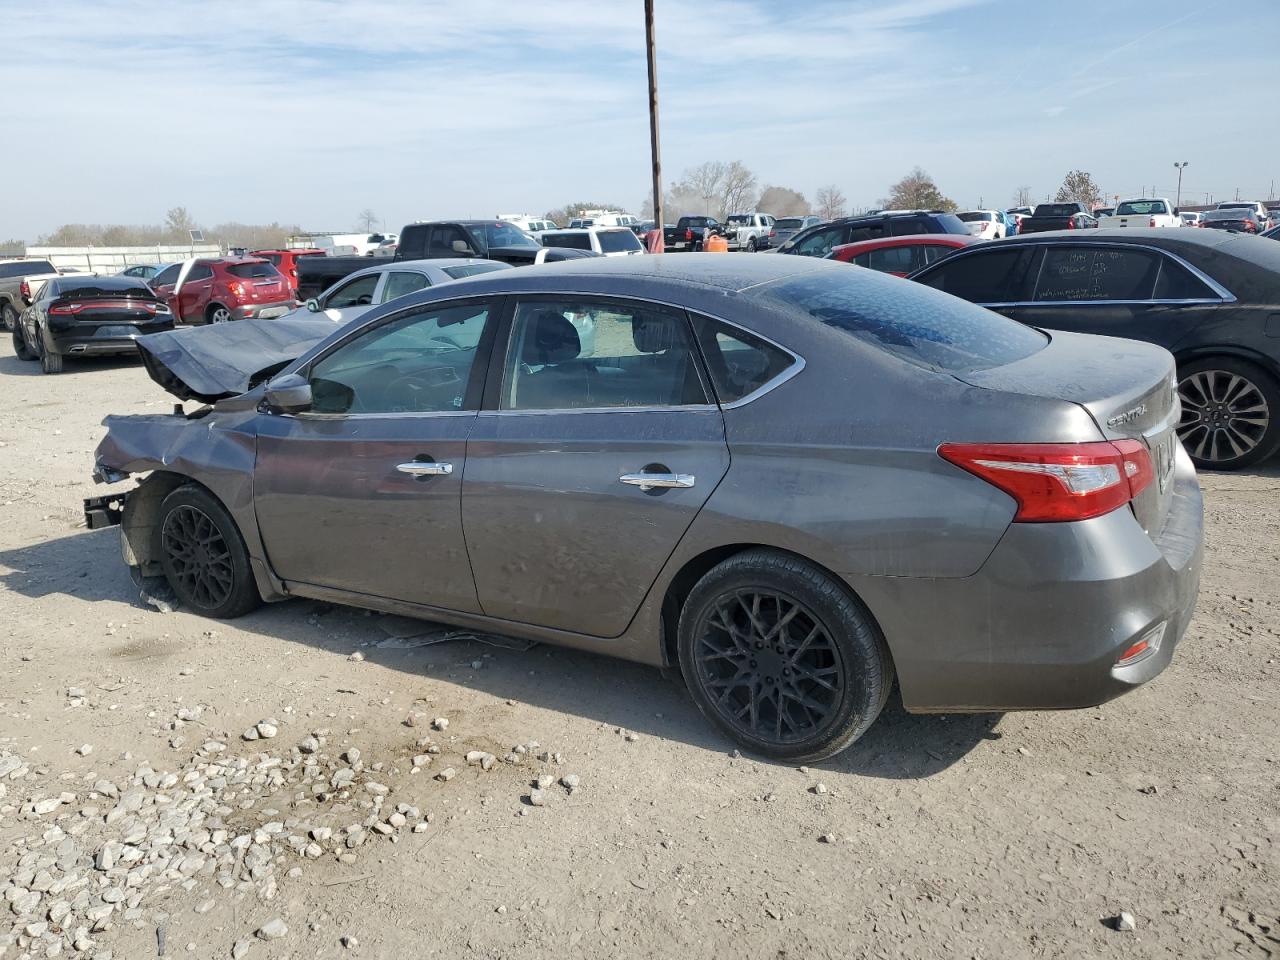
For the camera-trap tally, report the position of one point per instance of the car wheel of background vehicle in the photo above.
(217, 313)
(1230, 413)
(20, 348)
(203, 555)
(10, 316)
(751, 245)
(781, 658)
(50, 362)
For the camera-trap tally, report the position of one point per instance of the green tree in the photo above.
(1078, 187)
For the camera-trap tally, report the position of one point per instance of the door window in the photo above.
(820, 242)
(448, 240)
(419, 363)
(1084, 273)
(168, 275)
(401, 283)
(354, 293)
(992, 276)
(566, 355)
(740, 364)
(201, 271)
(894, 259)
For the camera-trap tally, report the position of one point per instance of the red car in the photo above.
(901, 255)
(286, 261)
(228, 288)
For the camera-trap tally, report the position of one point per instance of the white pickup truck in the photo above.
(747, 231)
(1142, 212)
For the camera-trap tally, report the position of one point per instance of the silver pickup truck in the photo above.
(748, 231)
(14, 274)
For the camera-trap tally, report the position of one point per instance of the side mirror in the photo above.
(313, 305)
(289, 394)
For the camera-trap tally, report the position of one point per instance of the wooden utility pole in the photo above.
(655, 147)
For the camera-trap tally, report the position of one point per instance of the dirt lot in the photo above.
(949, 837)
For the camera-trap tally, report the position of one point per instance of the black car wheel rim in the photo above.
(769, 666)
(1224, 415)
(198, 556)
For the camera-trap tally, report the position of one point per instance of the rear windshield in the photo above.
(1235, 206)
(1056, 210)
(913, 322)
(575, 241)
(1234, 213)
(94, 287)
(947, 223)
(616, 241)
(471, 269)
(506, 235)
(739, 218)
(693, 221)
(253, 271)
(26, 268)
(975, 215)
(1141, 208)
(788, 223)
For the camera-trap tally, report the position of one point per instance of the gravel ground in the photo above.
(136, 820)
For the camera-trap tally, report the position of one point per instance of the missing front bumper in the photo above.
(105, 511)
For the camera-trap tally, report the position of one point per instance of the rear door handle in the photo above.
(653, 481)
(418, 468)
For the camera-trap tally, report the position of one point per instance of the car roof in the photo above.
(421, 266)
(911, 239)
(1152, 237)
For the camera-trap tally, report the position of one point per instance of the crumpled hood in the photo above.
(222, 360)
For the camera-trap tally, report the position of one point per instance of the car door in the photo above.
(401, 283)
(352, 297)
(597, 446)
(362, 493)
(193, 296)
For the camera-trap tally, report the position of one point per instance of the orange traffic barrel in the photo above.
(716, 245)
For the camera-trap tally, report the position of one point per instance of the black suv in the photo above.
(818, 241)
(489, 239)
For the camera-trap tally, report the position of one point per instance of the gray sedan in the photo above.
(359, 292)
(793, 480)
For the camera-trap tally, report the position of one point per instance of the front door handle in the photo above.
(419, 468)
(658, 481)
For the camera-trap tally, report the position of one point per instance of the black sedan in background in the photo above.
(83, 316)
(1241, 219)
(1210, 297)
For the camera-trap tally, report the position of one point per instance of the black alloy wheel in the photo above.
(203, 555)
(1229, 411)
(781, 657)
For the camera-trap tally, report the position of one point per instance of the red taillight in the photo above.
(688, 234)
(772, 234)
(1071, 223)
(85, 306)
(1055, 482)
(24, 288)
(236, 288)
(65, 309)
(1153, 222)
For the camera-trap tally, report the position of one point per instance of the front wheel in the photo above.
(203, 555)
(20, 348)
(1230, 413)
(751, 245)
(781, 658)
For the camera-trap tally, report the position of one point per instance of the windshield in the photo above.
(913, 322)
(788, 223)
(975, 216)
(471, 269)
(618, 241)
(1141, 208)
(253, 271)
(506, 235)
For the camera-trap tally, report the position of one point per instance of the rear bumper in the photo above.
(1042, 624)
(263, 311)
(70, 343)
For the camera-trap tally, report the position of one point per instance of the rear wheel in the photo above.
(781, 658)
(1230, 413)
(10, 317)
(217, 313)
(20, 347)
(49, 362)
(751, 245)
(203, 555)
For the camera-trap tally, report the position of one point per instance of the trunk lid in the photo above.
(1128, 388)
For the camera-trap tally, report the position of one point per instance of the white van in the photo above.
(606, 241)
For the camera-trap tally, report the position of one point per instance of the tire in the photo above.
(10, 317)
(846, 672)
(20, 348)
(217, 313)
(50, 362)
(751, 245)
(1230, 413)
(211, 576)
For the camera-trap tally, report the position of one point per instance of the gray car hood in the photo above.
(223, 360)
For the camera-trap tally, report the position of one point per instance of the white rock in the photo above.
(85, 749)
(47, 805)
(241, 949)
(447, 774)
(356, 657)
(537, 798)
(440, 723)
(1125, 922)
(545, 781)
(309, 745)
(266, 729)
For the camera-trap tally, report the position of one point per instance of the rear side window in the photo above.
(910, 322)
(401, 283)
(253, 271)
(471, 269)
(1084, 273)
(574, 241)
(617, 241)
(1176, 282)
(739, 363)
(992, 276)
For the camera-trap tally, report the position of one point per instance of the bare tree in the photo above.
(916, 191)
(830, 202)
(1022, 198)
(738, 189)
(1078, 187)
(179, 223)
(783, 202)
(714, 188)
(367, 220)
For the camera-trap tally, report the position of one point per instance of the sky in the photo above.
(310, 111)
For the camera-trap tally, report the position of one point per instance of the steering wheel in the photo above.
(415, 393)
